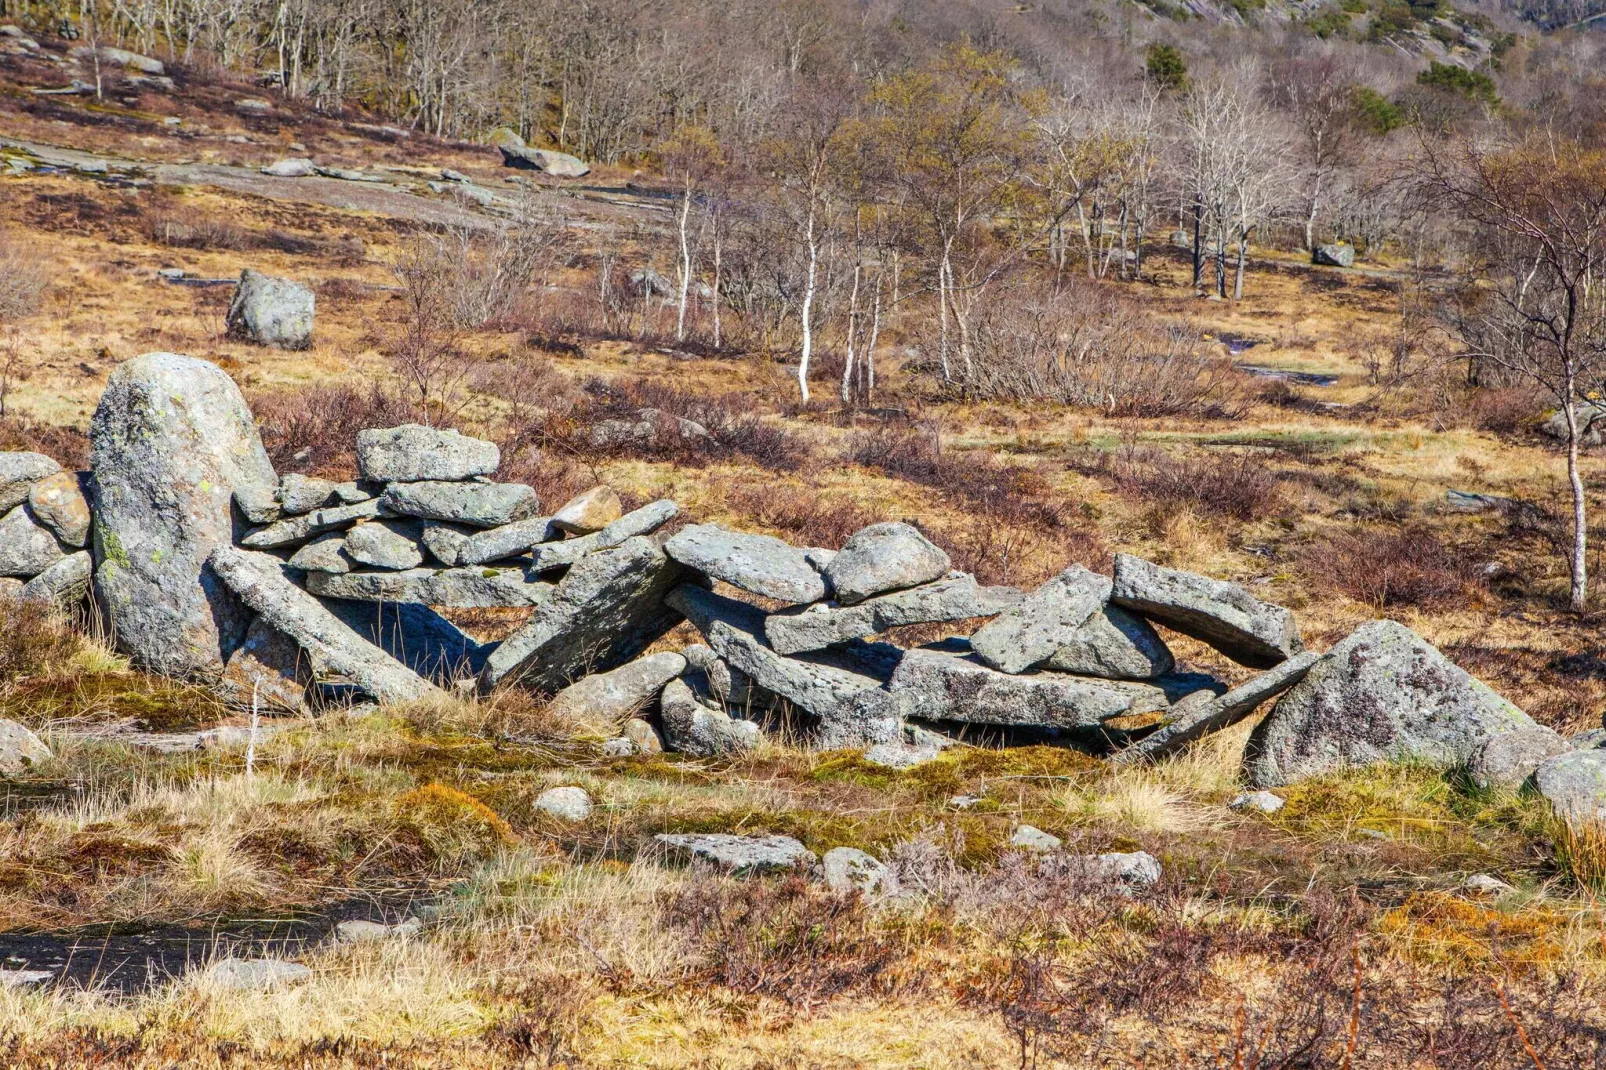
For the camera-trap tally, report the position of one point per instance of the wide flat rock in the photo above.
(19, 471)
(741, 855)
(607, 698)
(483, 505)
(1193, 720)
(760, 564)
(940, 685)
(644, 521)
(413, 452)
(497, 544)
(1035, 628)
(816, 627)
(1225, 615)
(294, 530)
(453, 588)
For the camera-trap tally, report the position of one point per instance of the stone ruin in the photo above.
(292, 591)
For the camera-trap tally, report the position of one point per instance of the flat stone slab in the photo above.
(498, 544)
(1225, 615)
(483, 505)
(760, 564)
(453, 588)
(607, 698)
(881, 558)
(941, 686)
(387, 544)
(1193, 720)
(413, 452)
(324, 553)
(294, 530)
(817, 627)
(1035, 628)
(644, 521)
(741, 855)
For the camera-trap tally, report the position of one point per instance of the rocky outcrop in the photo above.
(1033, 630)
(556, 164)
(271, 311)
(1229, 618)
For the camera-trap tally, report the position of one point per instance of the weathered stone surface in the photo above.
(1033, 629)
(588, 512)
(643, 736)
(1226, 616)
(606, 610)
(19, 471)
(170, 441)
(260, 581)
(10, 978)
(1334, 254)
(416, 636)
(27, 547)
(256, 975)
(882, 558)
(446, 542)
(481, 505)
(59, 503)
(848, 869)
(556, 164)
(454, 588)
(1032, 838)
(565, 804)
(761, 564)
(1132, 868)
(689, 727)
(270, 666)
(412, 453)
(1198, 717)
(1261, 801)
(64, 583)
(295, 167)
(1381, 694)
(299, 494)
(1115, 644)
(271, 311)
(259, 505)
(20, 749)
(714, 681)
(643, 521)
(1508, 760)
(816, 627)
(325, 553)
(387, 544)
(741, 855)
(649, 425)
(499, 544)
(943, 686)
(1484, 884)
(606, 698)
(294, 530)
(121, 57)
(359, 931)
(1575, 784)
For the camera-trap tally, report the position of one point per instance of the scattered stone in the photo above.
(295, 168)
(1507, 761)
(1032, 838)
(643, 736)
(453, 176)
(120, 57)
(1132, 868)
(1336, 254)
(20, 749)
(556, 164)
(848, 869)
(293, 530)
(591, 511)
(325, 553)
(897, 754)
(19, 471)
(565, 804)
(607, 698)
(643, 521)
(1590, 417)
(386, 544)
(689, 727)
(300, 494)
(760, 564)
(819, 626)
(742, 855)
(269, 669)
(1035, 628)
(1263, 801)
(414, 453)
(945, 686)
(25, 978)
(882, 558)
(618, 747)
(1202, 714)
(1381, 694)
(271, 311)
(650, 425)
(1575, 784)
(373, 932)
(64, 584)
(605, 611)
(965, 802)
(169, 442)
(1483, 884)
(482, 505)
(259, 505)
(453, 588)
(256, 975)
(27, 548)
(1114, 644)
(58, 502)
(253, 105)
(1229, 618)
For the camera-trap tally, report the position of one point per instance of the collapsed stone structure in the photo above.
(293, 591)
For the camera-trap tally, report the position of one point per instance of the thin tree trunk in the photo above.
(1578, 561)
(869, 347)
(718, 326)
(853, 327)
(1238, 271)
(808, 309)
(685, 263)
(1198, 241)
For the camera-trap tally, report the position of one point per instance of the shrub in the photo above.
(1166, 67)
(1473, 85)
(314, 428)
(1408, 567)
(33, 639)
(1006, 491)
(1238, 485)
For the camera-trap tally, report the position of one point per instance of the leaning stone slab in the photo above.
(1194, 719)
(269, 669)
(605, 611)
(498, 544)
(881, 558)
(1575, 784)
(943, 686)
(19, 471)
(271, 311)
(64, 583)
(260, 582)
(742, 855)
(20, 749)
(644, 521)
(1035, 628)
(591, 511)
(1114, 644)
(170, 441)
(446, 542)
(387, 544)
(27, 547)
(454, 588)
(413, 452)
(1381, 694)
(760, 564)
(59, 503)
(294, 530)
(608, 698)
(819, 626)
(689, 727)
(481, 505)
(1226, 616)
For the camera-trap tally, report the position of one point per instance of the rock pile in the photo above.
(44, 528)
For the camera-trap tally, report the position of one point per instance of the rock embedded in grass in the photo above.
(414, 453)
(19, 471)
(1032, 838)
(1575, 785)
(1039, 625)
(819, 626)
(256, 975)
(607, 698)
(359, 931)
(741, 855)
(1261, 801)
(848, 869)
(271, 311)
(642, 736)
(565, 803)
(481, 505)
(759, 564)
(1484, 884)
(59, 503)
(20, 749)
(1506, 762)
(1225, 615)
(881, 558)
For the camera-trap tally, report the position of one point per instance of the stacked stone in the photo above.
(44, 530)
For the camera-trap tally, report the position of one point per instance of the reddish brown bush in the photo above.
(67, 446)
(1238, 485)
(314, 429)
(1407, 567)
(1006, 491)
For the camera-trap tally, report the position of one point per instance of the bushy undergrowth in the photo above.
(1233, 485)
(1409, 566)
(314, 429)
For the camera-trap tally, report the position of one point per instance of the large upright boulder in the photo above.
(170, 442)
(271, 311)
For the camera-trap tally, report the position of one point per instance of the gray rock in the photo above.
(1197, 717)
(1115, 644)
(453, 588)
(170, 441)
(760, 564)
(256, 975)
(482, 505)
(499, 544)
(446, 542)
(1381, 694)
(25, 978)
(1507, 761)
(386, 544)
(260, 581)
(60, 504)
(556, 164)
(231, 737)
(259, 505)
(943, 686)
(1132, 868)
(591, 511)
(643, 521)
(1483, 884)
(294, 530)
(607, 698)
(642, 736)
(1594, 737)
(27, 547)
(268, 669)
(300, 494)
(19, 471)
(565, 804)
(1590, 417)
(650, 425)
(714, 680)
(1575, 784)
(1262, 801)
(359, 931)
(741, 855)
(898, 754)
(605, 611)
(412, 453)
(1032, 838)
(619, 747)
(1336, 254)
(819, 626)
(291, 168)
(689, 727)
(65, 583)
(848, 869)
(1229, 618)
(1035, 628)
(325, 553)
(20, 749)
(416, 636)
(271, 311)
(882, 558)
(120, 57)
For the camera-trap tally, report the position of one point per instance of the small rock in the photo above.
(882, 558)
(556, 164)
(19, 471)
(848, 869)
(1031, 838)
(898, 754)
(1114, 644)
(271, 311)
(1263, 801)
(301, 168)
(1134, 868)
(566, 804)
(293, 530)
(1594, 737)
(27, 548)
(965, 802)
(258, 504)
(25, 978)
(446, 542)
(325, 553)
(551, 555)
(20, 749)
(689, 727)
(253, 105)
(742, 855)
(228, 737)
(1335, 254)
(64, 584)
(386, 544)
(58, 502)
(482, 505)
(256, 975)
(373, 932)
(618, 747)
(591, 511)
(607, 698)
(1483, 884)
(761, 564)
(643, 736)
(413, 453)
(300, 494)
